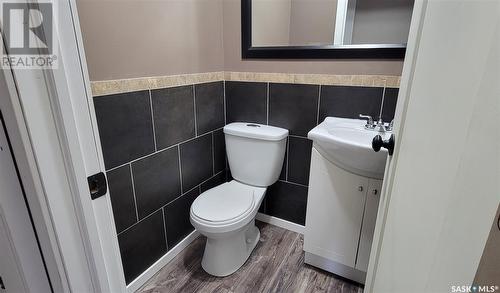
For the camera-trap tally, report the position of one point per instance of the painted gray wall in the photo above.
(135, 38)
(382, 21)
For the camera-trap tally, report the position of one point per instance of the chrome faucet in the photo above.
(369, 121)
(390, 127)
(380, 127)
(376, 126)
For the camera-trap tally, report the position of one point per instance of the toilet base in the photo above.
(225, 255)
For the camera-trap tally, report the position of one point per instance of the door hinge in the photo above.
(97, 185)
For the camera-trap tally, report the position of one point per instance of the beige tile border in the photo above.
(322, 79)
(135, 84)
(107, 87)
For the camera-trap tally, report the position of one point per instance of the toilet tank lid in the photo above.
(257, 131)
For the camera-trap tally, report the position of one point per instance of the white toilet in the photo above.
(226, 214)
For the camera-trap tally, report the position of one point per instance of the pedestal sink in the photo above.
(347, 144)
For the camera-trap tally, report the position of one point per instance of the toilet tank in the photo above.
(255, 152)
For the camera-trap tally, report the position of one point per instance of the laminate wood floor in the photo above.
(275, 265)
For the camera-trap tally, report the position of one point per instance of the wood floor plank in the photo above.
(275, 265)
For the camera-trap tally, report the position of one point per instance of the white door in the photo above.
(21, 264)
(442, 185)
(11, 278)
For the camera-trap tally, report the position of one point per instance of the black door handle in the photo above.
(378, 143)
(97, 185)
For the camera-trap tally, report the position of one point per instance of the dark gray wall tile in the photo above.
(262, 208)
(300, 160)
(196, 161)
(173, 111)
(293, 106)
(122, 197)
(142, 245)
(125, 127)
(216, 180)
(209, 100)
(219, 151)
(349, 101)
(156, 181)
(246, 102)
(177, 218)
(285, 162)
(287, 201)
(390, 100)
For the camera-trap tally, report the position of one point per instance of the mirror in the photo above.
(325, 28)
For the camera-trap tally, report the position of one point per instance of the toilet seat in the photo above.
(224, 204)
(227, 207)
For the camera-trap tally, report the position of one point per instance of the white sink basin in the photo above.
(347, 144)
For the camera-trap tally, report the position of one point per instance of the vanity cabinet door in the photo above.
(368, 227)
(335, 206)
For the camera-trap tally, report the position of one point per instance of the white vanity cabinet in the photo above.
(340, 219)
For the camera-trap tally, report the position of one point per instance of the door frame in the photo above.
(78, 235)
(84, 145)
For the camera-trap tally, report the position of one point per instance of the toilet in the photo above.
(226, 213)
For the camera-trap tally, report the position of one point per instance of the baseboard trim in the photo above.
(152, 270)
(281, 223)
(335, 267)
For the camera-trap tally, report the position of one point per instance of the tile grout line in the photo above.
(319, 101)
(287, 157)
(159, 151)
(152, 119)
(155, 211)
(267, 104)
(194, 105)
(213, 154)
(224, 88)
(294, 183)
(164, 225)
(180, 166)
(133, 192)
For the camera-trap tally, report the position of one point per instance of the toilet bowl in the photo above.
(226, 213)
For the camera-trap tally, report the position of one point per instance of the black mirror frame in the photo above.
(378, 51)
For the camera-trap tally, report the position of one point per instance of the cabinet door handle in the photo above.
(375, 191)
(360, 188)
